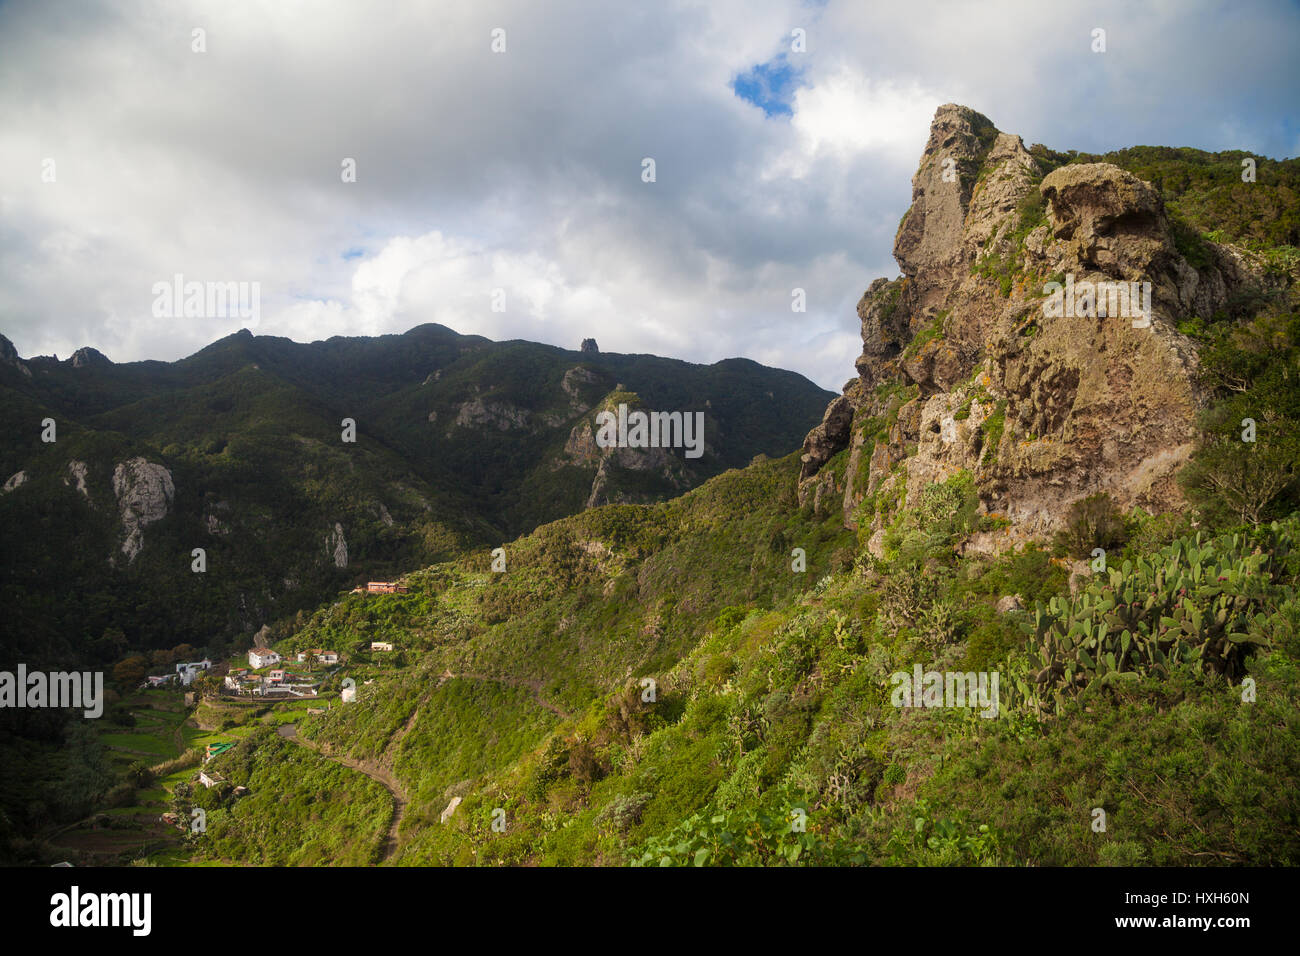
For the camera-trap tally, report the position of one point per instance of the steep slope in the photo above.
(974, 359)
(239, 450)
(661, 686)
(729, 678)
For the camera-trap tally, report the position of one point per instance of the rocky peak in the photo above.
(589, 346)
(928, 246)
(964, 366)
(9, 356)
(86, 356)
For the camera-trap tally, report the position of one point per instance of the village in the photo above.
(178, 723)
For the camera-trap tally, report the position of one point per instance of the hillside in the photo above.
(1027, 596)
(459, 442)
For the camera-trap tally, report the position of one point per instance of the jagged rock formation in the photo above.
(144, 493)
(582, 450)
(573, 385)
(968, 363)
(589, 345)
(827, 438)
(9, 356)
(86, 356)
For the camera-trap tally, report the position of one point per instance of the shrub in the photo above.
(1092, 522)
(624, 811)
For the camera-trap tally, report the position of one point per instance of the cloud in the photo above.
(521, 171)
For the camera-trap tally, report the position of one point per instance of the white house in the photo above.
(275, 677)
(328, 657)
(260, 657)
(381, 646)
(189, 671)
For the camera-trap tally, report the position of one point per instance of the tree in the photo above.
(130, 671)
(1244, 478)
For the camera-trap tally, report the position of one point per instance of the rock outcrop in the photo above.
(9, 356)
(77, 477)
(86, 356)
(970, 362)
(617, 466)
(336, 546)
(500, 415)
(144, 492)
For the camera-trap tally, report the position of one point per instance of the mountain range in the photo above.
(772, 660)
(240, 450)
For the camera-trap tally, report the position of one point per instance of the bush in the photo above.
(624, 811)
(1092, 522)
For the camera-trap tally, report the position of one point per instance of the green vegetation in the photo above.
(1003, 266)
(992, 428)
(1202, 605)
(301, 810)
(770, 739)
(1205, 189)
(1247, 466)
(1090, 523)
(933, 330)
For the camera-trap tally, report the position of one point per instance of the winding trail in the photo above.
(380, 775)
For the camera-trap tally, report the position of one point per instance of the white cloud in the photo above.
(522, 171)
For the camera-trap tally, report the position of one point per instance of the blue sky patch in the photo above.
(353, 253)
(769, 86)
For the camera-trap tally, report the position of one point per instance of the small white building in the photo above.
(381, 645)
(260, 657)
(328, 657)
(190, 670)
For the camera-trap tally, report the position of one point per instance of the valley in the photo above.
(528, 646)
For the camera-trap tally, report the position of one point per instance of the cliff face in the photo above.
(145, 492)
(973, 360)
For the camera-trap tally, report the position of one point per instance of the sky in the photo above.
(500, 157)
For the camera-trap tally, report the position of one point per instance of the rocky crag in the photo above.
(969, 362)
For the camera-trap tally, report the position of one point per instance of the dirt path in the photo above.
(380, 775)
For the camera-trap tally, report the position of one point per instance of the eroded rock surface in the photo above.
(965, 366)
(144, 492)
